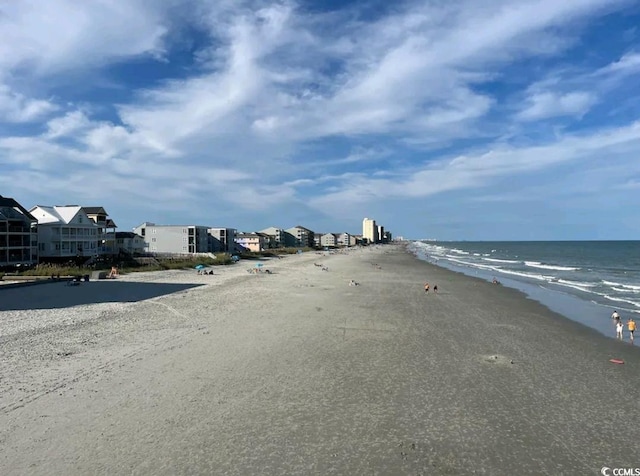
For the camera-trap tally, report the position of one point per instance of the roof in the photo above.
(145, 224)
(95, 211)
(55, 214)
(127, 234)
(7, 204)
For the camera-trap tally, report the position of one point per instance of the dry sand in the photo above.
(299, 373)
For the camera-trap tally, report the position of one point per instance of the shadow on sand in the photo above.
(58, 295)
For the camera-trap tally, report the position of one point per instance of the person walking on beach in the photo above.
(616, 317)
(631, 325)
(426, 288)
(435, 288)
(619, 328)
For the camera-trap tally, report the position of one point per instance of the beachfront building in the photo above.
(129, 242)
(18, 234)
(343, 239)
(66, 232)
(329, 239)
(380, 234)
(174, 239)
(277, 236)
(222, 240)
(107, 229)
(252, 241)
(299, 236)
(370, 230)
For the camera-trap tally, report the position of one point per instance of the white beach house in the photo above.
(66, 232)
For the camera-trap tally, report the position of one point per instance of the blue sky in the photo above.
(514, 120)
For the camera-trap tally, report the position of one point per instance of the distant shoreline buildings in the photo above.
(83, 234)
(374, 233)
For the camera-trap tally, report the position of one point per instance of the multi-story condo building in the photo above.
(66, 232)
(222, 240)
(107, 229)
(370, 230)
(380, 233)
(252, 241)
(328, 239)
(129, 242)
(18, 234)
(299, 236)
(343, 239)
(174, 239)
(277, 236)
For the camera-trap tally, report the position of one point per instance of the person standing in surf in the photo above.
(619, 329)
(631, 326)
(616, 318)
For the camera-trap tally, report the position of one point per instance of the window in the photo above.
(153, 240)
(142, 232)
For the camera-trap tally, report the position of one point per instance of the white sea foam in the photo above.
(496, 260)
(536, 264)
(611, 283)
(617, 299)
(472, 265)
(537, 277)
(627, 287)
(460, 252)
(575, 285)
(626, 290)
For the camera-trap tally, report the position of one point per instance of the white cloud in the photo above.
(15, 107)
(543, 105)
(482, 169)
(58, 35)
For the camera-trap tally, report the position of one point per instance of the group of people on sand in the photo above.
(427, 287)
(617, 321)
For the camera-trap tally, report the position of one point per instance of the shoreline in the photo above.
(583, 311)
(299, 373)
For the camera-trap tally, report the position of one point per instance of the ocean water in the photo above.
(583, 280)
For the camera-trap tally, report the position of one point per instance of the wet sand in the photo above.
(299, 373)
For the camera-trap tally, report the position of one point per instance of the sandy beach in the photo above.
(296, 372)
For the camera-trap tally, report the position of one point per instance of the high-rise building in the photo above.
(370, 230)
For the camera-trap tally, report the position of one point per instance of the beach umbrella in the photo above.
(200, 266)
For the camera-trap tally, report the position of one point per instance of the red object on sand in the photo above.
(616, 361)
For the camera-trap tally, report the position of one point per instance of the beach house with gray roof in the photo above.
(18, 234)
(107, 229)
